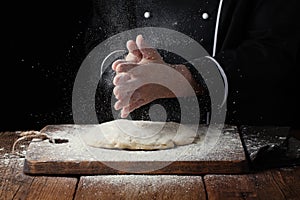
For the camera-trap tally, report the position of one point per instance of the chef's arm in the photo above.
(261, 64)
(266, 50)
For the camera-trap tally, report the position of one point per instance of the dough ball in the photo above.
(139, 135)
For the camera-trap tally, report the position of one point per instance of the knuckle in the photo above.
(116, 80)
(116, 90)
(122, 67)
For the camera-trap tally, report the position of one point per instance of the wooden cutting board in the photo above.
(76, 158)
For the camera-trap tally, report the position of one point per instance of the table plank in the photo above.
(15, 185)
(52, 188)
(76, 157)
(144, 187)
(272, 184)
(12, 180)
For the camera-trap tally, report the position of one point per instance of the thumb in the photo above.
(134, 54)
(147, 51)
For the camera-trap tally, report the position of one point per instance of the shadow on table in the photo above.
(270, 147)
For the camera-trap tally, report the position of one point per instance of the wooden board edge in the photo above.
(100, 168)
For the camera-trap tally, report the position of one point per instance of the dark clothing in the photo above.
(257, 46)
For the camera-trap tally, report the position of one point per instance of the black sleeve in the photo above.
(261, 62)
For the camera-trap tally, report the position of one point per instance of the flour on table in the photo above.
(139, 135)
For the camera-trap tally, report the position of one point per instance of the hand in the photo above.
(142, 64)
(139, 53)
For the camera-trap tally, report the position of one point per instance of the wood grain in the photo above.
(52, 188)
(15, 185)
(75, 157)
(6, 143)
(12, 180)
(141, 187)
(274, 184)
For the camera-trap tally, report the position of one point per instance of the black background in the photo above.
(42, 49)
(41, 53)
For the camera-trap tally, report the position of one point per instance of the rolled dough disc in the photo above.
(139, 135)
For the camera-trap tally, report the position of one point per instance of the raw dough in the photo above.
(139, 135)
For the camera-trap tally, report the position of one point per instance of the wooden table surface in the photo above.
(276, 183)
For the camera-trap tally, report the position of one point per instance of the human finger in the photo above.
(123, 89)
(134, 53)
(118, 105)
(125, 67)
(147, 51)
(137, 99)
(125, 112)
(133, 102)
(126, 99)
(121, 78)
(117, 62)
(130, 85)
